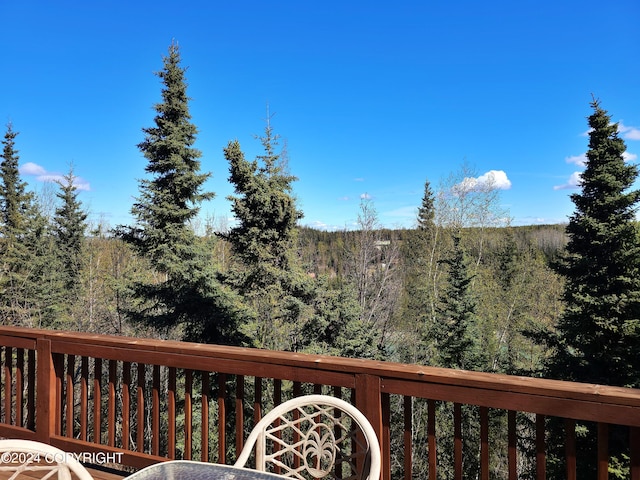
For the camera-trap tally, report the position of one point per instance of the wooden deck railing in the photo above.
(150, 400)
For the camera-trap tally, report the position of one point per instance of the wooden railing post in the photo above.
(45, 397)
(369, 402)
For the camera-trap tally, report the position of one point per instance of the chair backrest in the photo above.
(38, 460)
(315, 437)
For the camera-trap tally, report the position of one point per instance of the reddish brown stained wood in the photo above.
(171, 404)
(58, 365)
(8, 383)
(155, 411)
(140, 416)
(385, 437)
(126, 404)
(69, 395)
(111, 403)
(512, 445)
(432, 375)
(593, 409)
(97, 400)
(603, 451)
(222, 419)
(84, 397)
(15, 341)
(484, 443)
(385, 444)
(239, 413)
(188, 418)
(19, 385)
(431, 437)
(31, 390)
(570, 448)
(408, 437)
(457, 441)
(204, 425)
(634, 447)
(46, 406)
(541, 459)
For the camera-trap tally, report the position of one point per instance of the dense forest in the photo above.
(463, 289)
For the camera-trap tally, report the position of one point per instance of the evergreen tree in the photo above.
(190, 294)
(599, 331)
(426, 211)
(598, 335)
(68, 228)
(268, 275)
(456, 329)
(24, 249)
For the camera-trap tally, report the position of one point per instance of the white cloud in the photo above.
(359, 179)
(30, 168)
(575, 180)
(580, 160)
(493, 179)
(629, 133)
(629, 157)
(42, 175)
(365, 196)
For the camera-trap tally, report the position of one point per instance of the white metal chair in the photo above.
(31, 459)
(315, 436)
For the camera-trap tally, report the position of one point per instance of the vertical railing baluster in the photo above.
(239, 410)
(111, 403)
(97, 400)
(188, 412)
(171, 403)
(541, 457)
(222, 419)
(140, 407)
(570, 448)
(634, 448)
(484, 443)
(58, 362)
(457, 441)
(126, 404)
(19, 385)
(8, 384)
(31, 390)
(84, 397)
(512, 445)
(155, 411)
(69, 392)
(431, 438)
(603, 451)
(204, 420)
(408, 437)
(385, 434)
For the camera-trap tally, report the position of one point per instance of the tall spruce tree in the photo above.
(24, 254)
(599, 331)
(190, 295)
(598, 334)
(68, 229)
(268, 275)
(456, 325)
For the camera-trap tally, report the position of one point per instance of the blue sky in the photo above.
(373, 98)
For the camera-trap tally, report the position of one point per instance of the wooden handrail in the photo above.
(371, 383)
